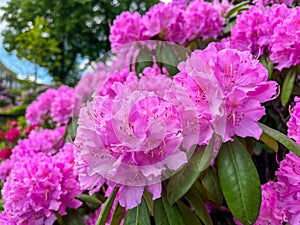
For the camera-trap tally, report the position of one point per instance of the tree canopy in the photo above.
(54, 34)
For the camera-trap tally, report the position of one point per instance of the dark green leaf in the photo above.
(182, 181)
(211, 182)
(166, 55)
(143, 60)
(236, 9)
(117, 215)
(91, 200)
(188, 216)
(73, 217)
(138, 215)
(281, 138)
(269, 141)
(106, 208)
(198, 205)
(165, 214)
(239, 182)
(149, 201)
(287, 86)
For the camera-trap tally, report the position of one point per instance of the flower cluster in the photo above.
(170, 22)
(55, 104)
(269, 31)
(131, 131)
(39, 186)
(294, 122)
(228, 87)
(44, 140)
(270, 2)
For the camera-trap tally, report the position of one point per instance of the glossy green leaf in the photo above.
(182, 181)
(138, 215)
(117, 215)
(211, 182)
(106, 208)
(236, 9)
(198, 205)
(287, 86)
(281, 138)
(188, 216)
(239, 182)
(166, 214)
(269, 141)
(143, 60)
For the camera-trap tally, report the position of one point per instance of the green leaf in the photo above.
(138, 215)
(143, 60)
(237, 8)
(106, 208)
(269, 141)
(182, 181)
(91, 200)
(287, 86)
(198, 205)
(239, 182)
(188, 216)
(149, 201)
(166, 56)
(73, 217)
(281, 138)
(165, 214)
(117, 215)
(212, 185)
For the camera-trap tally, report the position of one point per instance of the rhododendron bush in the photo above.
(192, 118)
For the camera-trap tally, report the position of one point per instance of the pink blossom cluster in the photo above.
(173, 22)
(55, 104)
(294, 122)
(38, 186)
(270, 2)
(45, 141)
(132, 131)
(269, 31)
(280, 201)
(227, 87)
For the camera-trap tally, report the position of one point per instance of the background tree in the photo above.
(77, 29)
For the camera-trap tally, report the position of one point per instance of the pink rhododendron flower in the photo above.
(13, 123)
(5, 153)
(252, 31)
(56, 104)
(38, 186)
(270, 212)
(294, 122)
(12, 135)
(5, 168)
(63, 104)
(203, 20)
(167, 22)
(223, 7)
(129, 135)
(288, 187)
(228, 86)
(44, 140)
(126, 28)
(285, 42)
(270, 2)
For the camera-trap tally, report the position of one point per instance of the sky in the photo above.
(23, 68)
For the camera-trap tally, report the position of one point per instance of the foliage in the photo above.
(54, 34)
